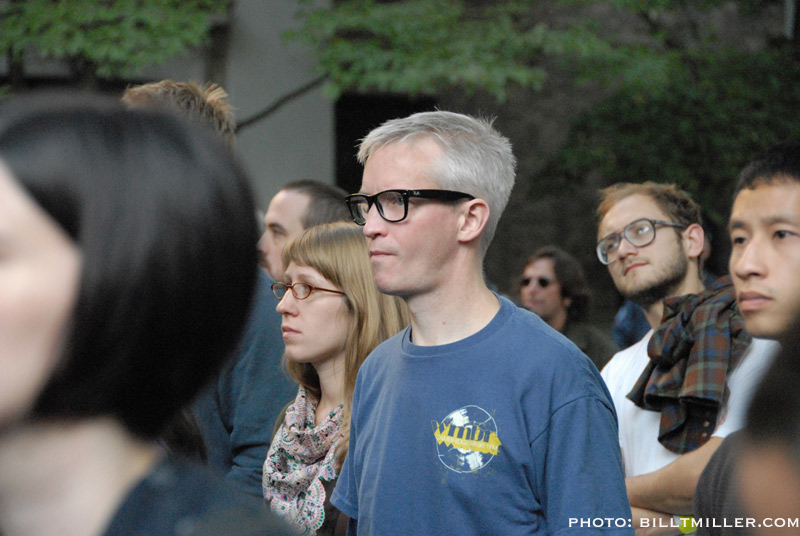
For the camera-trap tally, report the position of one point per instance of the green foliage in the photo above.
(698, 132)
(117, 37)
(420, 46)
(424, 46)
(656, 6)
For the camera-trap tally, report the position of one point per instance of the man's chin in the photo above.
(646, 296)
(757, 325)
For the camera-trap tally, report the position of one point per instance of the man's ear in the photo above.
(473, 219)
(694, 238)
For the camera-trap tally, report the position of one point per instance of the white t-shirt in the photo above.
(638, 428)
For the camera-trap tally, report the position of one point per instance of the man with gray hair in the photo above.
(479, 418)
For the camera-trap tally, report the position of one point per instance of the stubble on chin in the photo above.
(666, 285)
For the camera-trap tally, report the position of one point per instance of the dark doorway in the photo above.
(355, 115)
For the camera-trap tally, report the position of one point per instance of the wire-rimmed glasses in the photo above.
(300, 291)
(639, 233)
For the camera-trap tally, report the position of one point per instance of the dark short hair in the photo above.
(778, 163)
(162, 215)
(571, 277)
(326, 203)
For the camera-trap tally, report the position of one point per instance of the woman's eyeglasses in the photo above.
(300, 291)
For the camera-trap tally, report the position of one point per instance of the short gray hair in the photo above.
(477, 159)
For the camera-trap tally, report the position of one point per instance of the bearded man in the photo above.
(685, 386)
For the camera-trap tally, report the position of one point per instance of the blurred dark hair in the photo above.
(162, 214)
(774, 412)
(778, 163)
(326, 202)
(570, 276)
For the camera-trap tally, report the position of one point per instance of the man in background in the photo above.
(554, 287)
(296, 207)
(684, 387)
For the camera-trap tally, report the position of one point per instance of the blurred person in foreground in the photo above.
(127, 274)
(333, 316)
(554, 287)
(236, 411)
(479, 418)
(767, 464)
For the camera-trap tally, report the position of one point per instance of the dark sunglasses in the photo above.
(543, 282)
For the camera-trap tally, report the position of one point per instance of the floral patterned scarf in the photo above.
(300, 457)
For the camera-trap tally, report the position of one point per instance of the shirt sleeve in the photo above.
(583, 479)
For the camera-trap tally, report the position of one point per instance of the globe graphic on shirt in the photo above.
(466, 439)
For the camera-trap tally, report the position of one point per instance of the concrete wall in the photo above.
(256, 66)
(297, 141)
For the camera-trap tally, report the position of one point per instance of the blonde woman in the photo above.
(333, 317)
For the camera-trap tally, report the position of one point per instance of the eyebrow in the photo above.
(769, 220)
(621, 229)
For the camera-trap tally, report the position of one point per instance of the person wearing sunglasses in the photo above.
(684, 387)
(479, 418)
(554, 287)
(332, 317)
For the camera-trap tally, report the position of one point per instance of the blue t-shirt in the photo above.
(510, 431)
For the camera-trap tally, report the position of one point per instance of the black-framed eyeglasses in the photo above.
(543, 282)
(300, 291)
(393, 204)
(639, 233)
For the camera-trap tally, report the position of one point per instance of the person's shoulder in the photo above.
(762, 348)
(589, 335)
(526, 335)
(595, 332)
(179, 496)
(391, 348)
(626, 358)
(526, 326)
(534, 350)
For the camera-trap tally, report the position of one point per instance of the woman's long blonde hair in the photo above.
(338, 251)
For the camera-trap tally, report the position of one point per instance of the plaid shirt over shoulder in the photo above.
(700, 340)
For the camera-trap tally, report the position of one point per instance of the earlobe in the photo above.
(473, 220)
